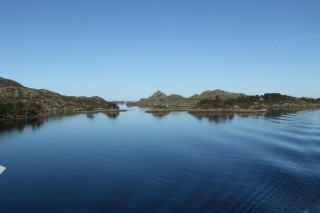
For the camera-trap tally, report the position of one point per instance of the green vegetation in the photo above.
(19, 109)
(254, 101)
(89, 109)
(19, 101)
(113, 105)
(159, 106)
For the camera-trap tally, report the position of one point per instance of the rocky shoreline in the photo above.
(224, 102)
(19, 102)
(58, 113)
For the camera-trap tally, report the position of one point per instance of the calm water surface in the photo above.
(177, 162)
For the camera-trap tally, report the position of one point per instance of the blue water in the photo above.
(177, 162)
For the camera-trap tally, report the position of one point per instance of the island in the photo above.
(18, 101)
(223, 101)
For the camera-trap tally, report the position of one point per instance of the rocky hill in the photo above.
(8, 83)
(219, 100)
(217, 94)
(174, 100)
(159, 98)
(15, 99)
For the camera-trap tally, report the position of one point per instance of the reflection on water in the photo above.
(90, 116)
(213, 117)
(159, 114)
(20, 124)
(112, 115)
(218, 117)
(254, 163)
(36, 123)
(278, 113)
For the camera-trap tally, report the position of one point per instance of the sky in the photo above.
(128, 49)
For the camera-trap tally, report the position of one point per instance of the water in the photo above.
(177, 162)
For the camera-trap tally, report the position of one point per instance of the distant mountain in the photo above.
(15, 99)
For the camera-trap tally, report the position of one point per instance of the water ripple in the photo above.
(177, 164)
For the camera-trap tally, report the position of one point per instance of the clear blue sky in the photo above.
(127, 49)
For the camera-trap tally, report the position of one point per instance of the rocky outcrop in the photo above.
(17, 99)
(158, 96)
(160, 99)
(222, 101)
(174, 100)
(8, 83)
(217, 94)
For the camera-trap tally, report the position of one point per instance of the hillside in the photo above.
(217, 94)
(17, 100)
(8, 83)
(174, 100)
(159, 98)
(219, 100)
